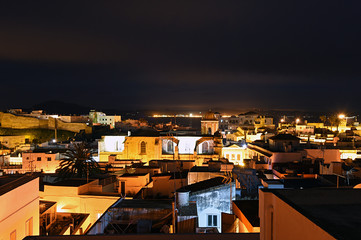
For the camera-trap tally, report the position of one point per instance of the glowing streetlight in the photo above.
(341, 116)
(297, 120)
(282, 120)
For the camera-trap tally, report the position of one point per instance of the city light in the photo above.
(341, 116)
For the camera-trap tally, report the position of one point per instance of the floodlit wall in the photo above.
(235, 154)
(19, 213)
(8, 120)
(330, 155)
(37, 162)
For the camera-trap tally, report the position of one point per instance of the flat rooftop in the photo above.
(10, 182)
(71, 182)
(334, 210)
(140, 203)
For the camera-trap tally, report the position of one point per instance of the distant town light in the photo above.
(297, 120)
(341, 116)
(282, 120)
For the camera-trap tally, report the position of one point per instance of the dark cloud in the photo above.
(180, 54)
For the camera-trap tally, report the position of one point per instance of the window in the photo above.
(29, 227)
(233, 157)
(49, 158)
(170, 146)
(205, 147)
(38, 159)
(227, 156)
(238, 157)
(143, 148)
(212, 221)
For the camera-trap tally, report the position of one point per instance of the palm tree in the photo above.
(78, 162)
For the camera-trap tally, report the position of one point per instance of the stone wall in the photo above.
(8, 120)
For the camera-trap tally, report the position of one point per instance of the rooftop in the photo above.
(190, 210)
(71, 182)
(199, 186)
(140, 203)
(285, 137)
(334, 210)
(10, 182)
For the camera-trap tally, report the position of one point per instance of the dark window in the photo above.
(205, 147)
(122, 188)
(143, 148)
(38, 159)
(212, 220)
(49, 158)
(170, 146)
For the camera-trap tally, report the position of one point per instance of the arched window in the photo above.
(170, 146)
(205, 147)
(143, 148)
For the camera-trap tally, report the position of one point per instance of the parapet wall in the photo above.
(8, 120)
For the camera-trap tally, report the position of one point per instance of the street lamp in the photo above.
(341, 116)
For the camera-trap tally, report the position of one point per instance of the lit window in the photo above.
(212, 220)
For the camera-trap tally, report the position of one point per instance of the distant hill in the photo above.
(58, 107)
(64, 108)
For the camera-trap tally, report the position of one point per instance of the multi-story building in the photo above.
(100, 118)
(40, 160)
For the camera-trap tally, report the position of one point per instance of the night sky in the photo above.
(182, 54)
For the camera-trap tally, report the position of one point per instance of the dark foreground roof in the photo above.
(208, 236)
(334, 210)
(141, 203)
(10, 182)
(199, 186)
(285, 137)
(249, 208)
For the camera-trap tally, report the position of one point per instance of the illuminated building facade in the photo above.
(147, 148)
(100, 118)
(209, 124)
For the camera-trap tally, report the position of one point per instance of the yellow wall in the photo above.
(8, 120)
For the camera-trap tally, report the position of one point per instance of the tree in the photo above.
(335, 121)
(78, 162)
